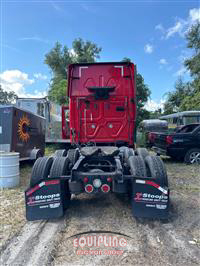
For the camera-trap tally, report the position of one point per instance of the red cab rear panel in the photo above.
(102, 102)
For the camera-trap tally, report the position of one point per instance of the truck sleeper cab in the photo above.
(102, 103)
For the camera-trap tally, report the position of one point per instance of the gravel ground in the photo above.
(149, 242)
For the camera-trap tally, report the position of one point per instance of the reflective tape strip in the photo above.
(122, 69)
(41, 184)
(151, 183)
(46, 183)
(32, 190)
(80, 68)
(140, 181)
(52, 182)
(163, 190)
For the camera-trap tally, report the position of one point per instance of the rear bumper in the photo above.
(172, 152)
(159, 150)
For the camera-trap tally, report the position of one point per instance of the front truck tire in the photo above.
(150, 194)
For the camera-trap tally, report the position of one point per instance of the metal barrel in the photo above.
(9, 169)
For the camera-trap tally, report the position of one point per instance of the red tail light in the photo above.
(151, 137)
(89, 188)
(169, 139)
(105, 188)
(85, 179)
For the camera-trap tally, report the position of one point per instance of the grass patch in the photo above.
(12, 206)
(51, 148)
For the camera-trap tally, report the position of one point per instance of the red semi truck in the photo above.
(102, 158)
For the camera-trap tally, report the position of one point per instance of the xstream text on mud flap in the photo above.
(150, 199)
(45, 200)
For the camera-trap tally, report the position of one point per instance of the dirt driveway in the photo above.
(149, 242)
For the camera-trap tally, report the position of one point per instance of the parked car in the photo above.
(182, 144)
(144, 137)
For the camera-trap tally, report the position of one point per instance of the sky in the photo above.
(150, 32)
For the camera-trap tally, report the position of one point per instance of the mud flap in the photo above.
(45, 200)
(149, 199)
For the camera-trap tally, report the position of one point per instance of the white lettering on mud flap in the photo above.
(54, 205)
(151, 199)
(44, 199)
(161, 207)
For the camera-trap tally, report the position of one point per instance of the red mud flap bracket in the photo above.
(44, 200)
(150, 199)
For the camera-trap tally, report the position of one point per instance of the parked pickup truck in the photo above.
(182, 144)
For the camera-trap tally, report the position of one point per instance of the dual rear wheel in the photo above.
(55, 167)
(150, 167)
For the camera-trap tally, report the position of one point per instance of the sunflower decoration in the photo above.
(23, 126)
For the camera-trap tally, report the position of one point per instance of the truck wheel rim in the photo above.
(195, 157)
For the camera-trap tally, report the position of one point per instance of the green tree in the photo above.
(85, 52)
(186, 95)
(174, 98)
(193, 63)
(7, 97)
(191, 102)
(156, 114)
(58, 92)
(58, 60)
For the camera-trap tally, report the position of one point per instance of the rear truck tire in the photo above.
(192, 156)
(60, 153)
(60, 167)
(137, 169)
(156, 170)
(73, 155)
(137, 166)
(41, 169)
(122, 151)
(128, 153)
(143, 152)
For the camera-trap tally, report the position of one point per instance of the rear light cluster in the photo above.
(169, 139)
(89, 188)
(105, 188)
(151, 137)
(97, 183)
